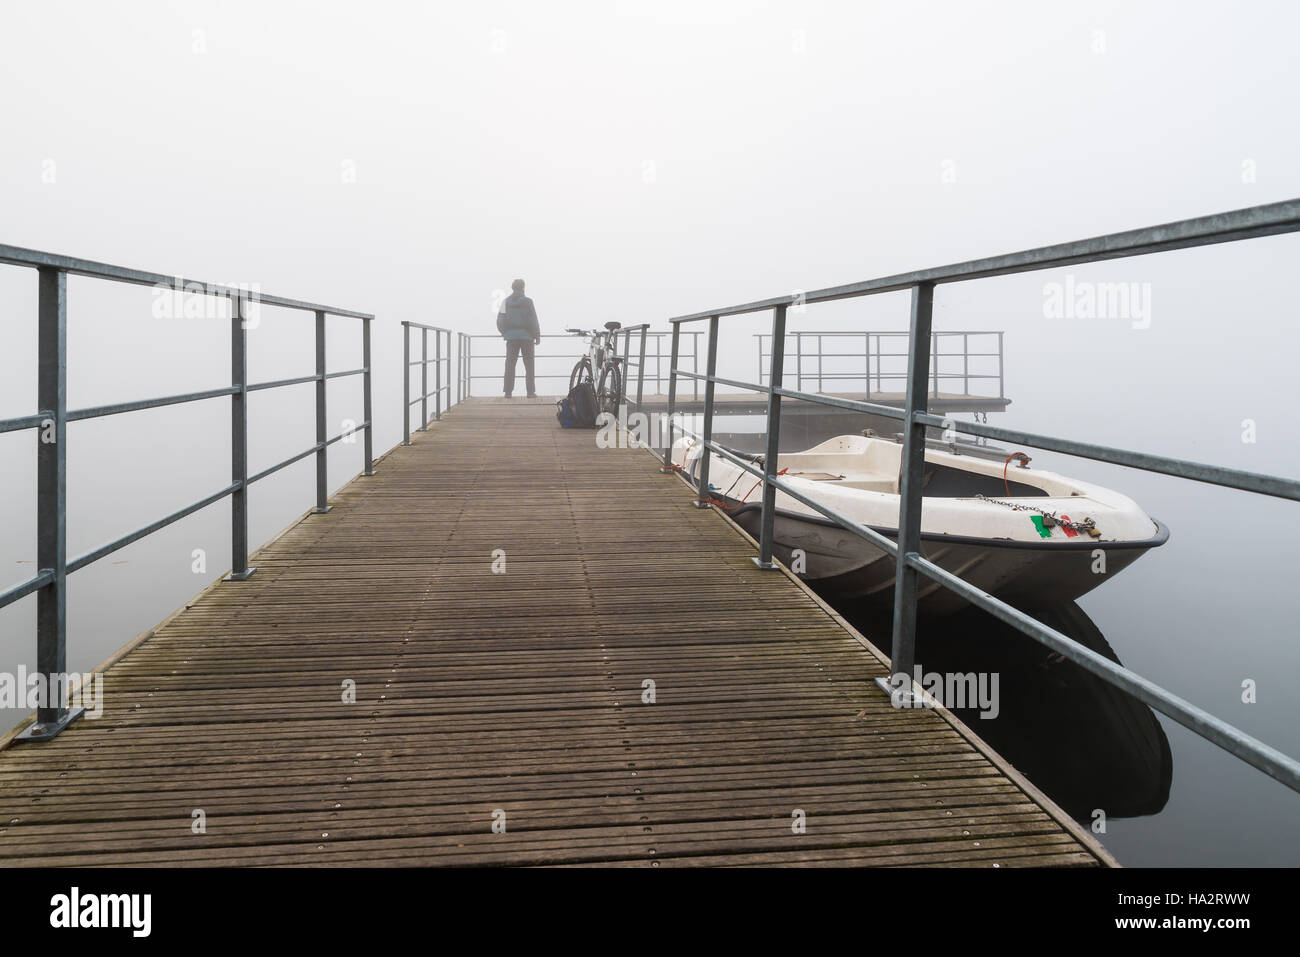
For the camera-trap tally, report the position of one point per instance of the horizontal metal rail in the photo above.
(1181, 468)
(23, 589)
(659, 378)
(442, 353)
(810, 347)
(49, 585)
(852, 405)
(1244, 746)
(869, 534)
(72, 266)
(1232, 226)
(1252, 222)
(103, 551)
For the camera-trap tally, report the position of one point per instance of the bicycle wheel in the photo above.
(581, 371)
(610, 392)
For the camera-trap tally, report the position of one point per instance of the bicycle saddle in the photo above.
(611, 326)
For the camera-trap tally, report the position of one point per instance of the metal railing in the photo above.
(440, 356)
(49, 584)
(873, 348)
(654, 356)
(628, 364)
(462, 365)
(1226, 227)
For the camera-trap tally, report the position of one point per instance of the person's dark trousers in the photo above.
(515, 348)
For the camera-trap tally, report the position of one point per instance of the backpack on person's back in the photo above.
(579, 408)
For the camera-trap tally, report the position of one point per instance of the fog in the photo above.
(635, 161)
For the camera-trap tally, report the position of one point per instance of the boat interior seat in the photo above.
(875, 468)
(886, 485)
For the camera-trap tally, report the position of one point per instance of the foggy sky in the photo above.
(635, 161)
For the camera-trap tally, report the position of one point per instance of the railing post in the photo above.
(775, 380)
(711, 369)
(866, 352)
(659, 363)
(424, 380)
(965, 363)
(695, 362)
(672, 397)
(406, 383)
(52, 713)
(239, 570)
(911, 479)
(798, 360)
(821, 351)
(437, 376)
(640, 370)
(469, 365)
(367, 406)
(322, 474)
(1001, 389)
(934, 357)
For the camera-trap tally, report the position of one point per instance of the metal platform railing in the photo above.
(879, 364)
(440, 356)
(653, 356)
(49, 584)
(1226, 227)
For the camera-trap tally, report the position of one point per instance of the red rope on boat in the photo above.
(1014, 455)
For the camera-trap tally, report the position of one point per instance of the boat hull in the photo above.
(841, 564)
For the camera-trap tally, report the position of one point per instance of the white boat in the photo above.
(1022, 535)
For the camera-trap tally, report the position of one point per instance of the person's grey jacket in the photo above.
(518, 318)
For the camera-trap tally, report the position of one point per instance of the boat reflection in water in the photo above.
(1084, 742)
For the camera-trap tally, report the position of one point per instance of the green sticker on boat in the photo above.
(1043, 530)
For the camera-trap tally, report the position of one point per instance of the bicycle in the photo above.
(602, 355)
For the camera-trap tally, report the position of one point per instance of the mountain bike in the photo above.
(601, 360)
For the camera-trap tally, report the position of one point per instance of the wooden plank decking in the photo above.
(520, 693)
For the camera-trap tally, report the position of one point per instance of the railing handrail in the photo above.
(439, 386)
(49, 583)
(876, 350)
(910, 564)
(1248, 223)
(660, 376)
(72, 266)
(874, 332)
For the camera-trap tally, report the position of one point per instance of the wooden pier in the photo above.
(504, 596)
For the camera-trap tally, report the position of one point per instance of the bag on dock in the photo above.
(577, 410)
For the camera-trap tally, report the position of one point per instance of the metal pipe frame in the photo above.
(1254, 222)
(911, 484)
(322, 471)
(460, 388)
(672, 399)
(658, 379)
(775, 380)
(49, 584)
(711, 365)
(239, 570)
(965, 376)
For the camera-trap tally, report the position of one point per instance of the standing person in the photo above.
(517, 323)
